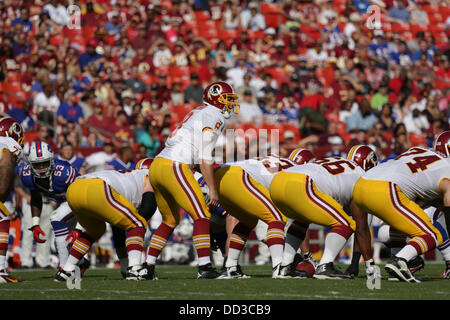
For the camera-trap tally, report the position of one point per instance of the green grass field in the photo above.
(179, 283)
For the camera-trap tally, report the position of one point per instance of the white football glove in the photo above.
(372, 270)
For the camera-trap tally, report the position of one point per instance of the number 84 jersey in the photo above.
(418, 172)
(334, 176)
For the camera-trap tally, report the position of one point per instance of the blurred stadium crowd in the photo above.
(327, 74)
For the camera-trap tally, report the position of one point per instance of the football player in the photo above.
(318, 192)
(67, 154)
(45, 175)
(396, 191)
(11, 144)
(190, 144)
(396, 241)
(243, 192)
(121, 198)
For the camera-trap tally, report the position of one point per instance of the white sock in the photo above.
(445, 252)
(2, 262)
(204, 261)
(71, 263)
(276, 252)
(333, 244)
(134, 258)
(150, 260)
(291, 246)
(123, 262)
(233, 257)
(63, 251)
(408, 252)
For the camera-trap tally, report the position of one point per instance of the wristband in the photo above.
(35, 221)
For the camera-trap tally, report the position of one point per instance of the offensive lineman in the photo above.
(317, 192)
(397, 190)
(11, 144)
(243, 192)
(121, 198)
(190, 144)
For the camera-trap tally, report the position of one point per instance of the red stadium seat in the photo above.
(89, 32)
(399, 28)
(202, 16)
(270, 8)
(435, 18)
(207, 29)
(415, 28)
(179, 74)
(255, 34)
(272, 20)
(436, 27)
(279, 74)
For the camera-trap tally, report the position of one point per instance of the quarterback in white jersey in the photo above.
(11, 143)
(317, 192)
(116, 197)
(243, 193)
(397, 191)
(191, 143)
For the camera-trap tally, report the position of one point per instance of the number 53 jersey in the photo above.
(418, 173)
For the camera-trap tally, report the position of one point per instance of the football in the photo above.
(306, 267)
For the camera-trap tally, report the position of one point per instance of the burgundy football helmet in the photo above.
(12, 129)
(144, 163)
(221, 95)
(363, 156)
(442, 143)
(301, 156)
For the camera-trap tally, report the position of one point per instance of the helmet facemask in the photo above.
(230, 103)
(42, 168)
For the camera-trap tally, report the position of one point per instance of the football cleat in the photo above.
(328, 271)
(140, 272)
(289, 271)
(446, 274)
(416, 264)
(63, 275)
(234, 272)
(5, 277)
(398, 268)
(207, 272)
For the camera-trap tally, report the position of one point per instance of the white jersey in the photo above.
(418, 172)
(129, 184)
(263, 169)
(11, 145)
(196, 137)
(334, 176)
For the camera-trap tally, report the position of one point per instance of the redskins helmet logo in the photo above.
(16, 128)
(215, 90)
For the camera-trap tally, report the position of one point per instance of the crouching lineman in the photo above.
(45, 175)
(317, 192)
(395, 191)
(190, 144)
(243, 192)
(113, 197)
(11, 144)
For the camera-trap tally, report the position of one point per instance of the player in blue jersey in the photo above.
(66, 153)
(124, 161)
(46, 176)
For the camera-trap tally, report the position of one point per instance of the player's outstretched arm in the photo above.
(363, 238)
(7, 165)
(36, 208)
(148, 204)
(207, 170)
